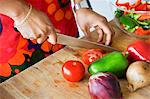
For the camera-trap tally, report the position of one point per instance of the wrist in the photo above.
(82, 4)
(22, 19)
(82, 10)
(20, 12)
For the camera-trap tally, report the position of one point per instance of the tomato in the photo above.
(73, 71)
(92, 55)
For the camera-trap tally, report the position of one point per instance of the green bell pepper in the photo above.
(114, 62)
(128, 22)
(133, 16)
(132, 30)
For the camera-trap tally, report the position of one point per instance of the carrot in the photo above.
(144, 17)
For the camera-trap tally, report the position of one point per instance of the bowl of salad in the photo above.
(132, 17)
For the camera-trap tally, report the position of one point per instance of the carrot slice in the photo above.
(144, 17)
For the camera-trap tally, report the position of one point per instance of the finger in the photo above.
(52, 37)
(25, 35)
(28, 32)
(107, 31)
(41, 39)
(35, 36)
(112, 30)
(100, 32)
(86, 31)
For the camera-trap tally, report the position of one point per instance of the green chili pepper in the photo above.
(128, 22)
(114, 62)
(131, 30)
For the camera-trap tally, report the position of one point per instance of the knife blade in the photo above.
(75, 42)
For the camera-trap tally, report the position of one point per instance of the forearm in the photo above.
(13, 8)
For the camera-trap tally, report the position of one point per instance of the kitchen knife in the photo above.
(75, 42)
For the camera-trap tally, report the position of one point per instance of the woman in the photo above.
(25, 31)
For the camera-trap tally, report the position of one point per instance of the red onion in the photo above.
(104, 86)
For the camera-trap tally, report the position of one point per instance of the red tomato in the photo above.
(73, 71)
(92, 55)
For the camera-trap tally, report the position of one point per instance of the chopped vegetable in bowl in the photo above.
(133, 17)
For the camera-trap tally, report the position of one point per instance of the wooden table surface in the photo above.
(44, 79)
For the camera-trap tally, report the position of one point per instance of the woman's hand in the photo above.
(36, 26)
(87, 18)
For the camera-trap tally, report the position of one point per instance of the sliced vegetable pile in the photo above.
(137, 23)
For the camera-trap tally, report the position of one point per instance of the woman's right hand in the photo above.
(36, 26)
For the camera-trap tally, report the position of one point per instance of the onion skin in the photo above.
(104, 86)
(138, 75)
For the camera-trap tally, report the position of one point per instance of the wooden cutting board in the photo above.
(44, 79)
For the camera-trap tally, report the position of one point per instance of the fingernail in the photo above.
(101, 43)
(107, 43)
(39, 41)
(51, 41)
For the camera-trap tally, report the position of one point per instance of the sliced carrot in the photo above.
(144, 17)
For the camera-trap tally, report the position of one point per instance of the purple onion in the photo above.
(104, 86)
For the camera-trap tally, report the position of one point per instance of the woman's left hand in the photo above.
(87, 18)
